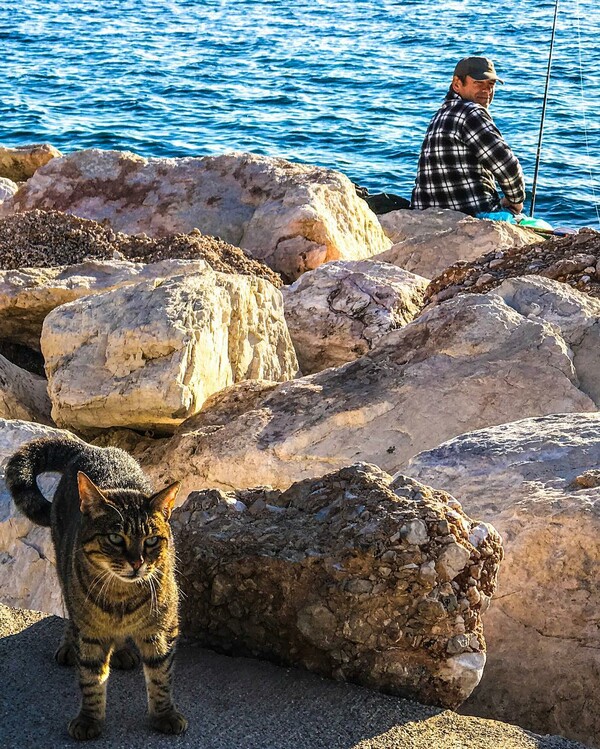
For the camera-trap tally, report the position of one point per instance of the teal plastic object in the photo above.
(535, 223)
(506, 216)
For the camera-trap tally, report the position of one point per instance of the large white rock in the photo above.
(575, 314)
(340, 310)
(537, 481)
(28, 295)
(427, 242)
(22, 395)
(147, 355)
(292, 216)
(468, 363)
(27, 562)
(7, 188)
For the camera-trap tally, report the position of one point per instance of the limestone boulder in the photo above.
(7, 188)
(339, 311)
(406, 224)
(468, 363)
(21, 163)
(147, 355)
(537, 481)
(430, 241)
(294, 217)
(27, 563)
(28, 295)
(22, 395)
(574, 313)
(350, 575)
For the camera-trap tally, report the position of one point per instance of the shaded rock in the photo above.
(7, 188)
(321, 576)
(22, 395)
(27, 563)
(147, 355)
(533, 480)
(338, 311)
(21, 163)
(47, 239)
(292, 216)
(465, 364)
(574, 260)
(430, 241)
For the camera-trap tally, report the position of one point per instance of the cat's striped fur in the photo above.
(115, 560)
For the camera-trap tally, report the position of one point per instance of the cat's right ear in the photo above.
(91, 500)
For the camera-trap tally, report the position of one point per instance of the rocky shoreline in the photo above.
(355, 406)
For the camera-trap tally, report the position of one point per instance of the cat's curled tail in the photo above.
(38, 456)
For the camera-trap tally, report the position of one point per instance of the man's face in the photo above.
(481, 92)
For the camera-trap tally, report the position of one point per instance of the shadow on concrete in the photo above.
(232, 703)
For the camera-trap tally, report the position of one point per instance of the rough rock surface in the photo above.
(28, 295)
(46, 239)
(408, 224)
(464, 365)
(22, 395)
(27, 563)
(575, 314)
(434, 239)
(147, 355)
(292, 216)
(241, 703)
(348, 575)
(20, 163)
(537, 481)
(574, 260)
(7, 188)
(338, 311)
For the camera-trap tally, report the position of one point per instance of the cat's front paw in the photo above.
(83, 728)
(65, 655)
(172, 722)
(125, 659)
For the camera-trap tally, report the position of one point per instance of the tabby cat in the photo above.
(115, 561)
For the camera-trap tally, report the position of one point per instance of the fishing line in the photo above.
(585, 130)
(539, 148)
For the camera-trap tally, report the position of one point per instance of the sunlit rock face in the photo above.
(294, 217)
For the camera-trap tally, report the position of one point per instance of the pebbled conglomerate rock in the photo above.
(46, 239)
(353, 575)
(574, 259)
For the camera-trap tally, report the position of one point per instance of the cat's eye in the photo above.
(116, 539)
(151, 541)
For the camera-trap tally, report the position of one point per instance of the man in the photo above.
(464, 154)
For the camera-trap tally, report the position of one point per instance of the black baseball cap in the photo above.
(479, 68)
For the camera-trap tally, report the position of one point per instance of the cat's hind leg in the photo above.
(66, 655)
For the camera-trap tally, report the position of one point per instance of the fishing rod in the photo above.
(539, 147)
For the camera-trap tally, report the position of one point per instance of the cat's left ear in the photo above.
(164, 500)
(91, 500)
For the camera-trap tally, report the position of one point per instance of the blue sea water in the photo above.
(348, 84)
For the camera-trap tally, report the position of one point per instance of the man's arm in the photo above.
(494, 154)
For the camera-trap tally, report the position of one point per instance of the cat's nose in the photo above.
(136, 564)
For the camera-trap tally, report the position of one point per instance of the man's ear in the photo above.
(455, 83)
(91, 500)
(164, 500)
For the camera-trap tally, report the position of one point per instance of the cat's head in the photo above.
(125, 531)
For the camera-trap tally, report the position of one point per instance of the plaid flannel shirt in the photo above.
(462, 157)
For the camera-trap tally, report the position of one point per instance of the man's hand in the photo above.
(515, 208)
